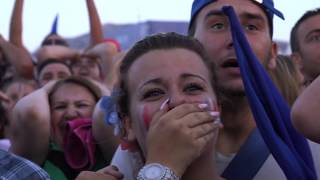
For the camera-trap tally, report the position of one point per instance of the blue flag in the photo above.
(270, 110)
(54, 27)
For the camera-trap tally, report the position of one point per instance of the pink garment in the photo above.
(79, 144)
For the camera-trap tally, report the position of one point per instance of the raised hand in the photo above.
(179, 136)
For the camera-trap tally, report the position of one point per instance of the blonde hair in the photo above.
(287, 78)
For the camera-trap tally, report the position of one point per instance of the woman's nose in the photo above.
(229, 40)
(71, 113)
(176, 100)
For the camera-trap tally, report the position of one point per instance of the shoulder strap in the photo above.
(245, 165)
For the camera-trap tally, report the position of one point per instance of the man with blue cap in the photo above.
(241, 152)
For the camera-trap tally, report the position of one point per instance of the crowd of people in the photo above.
(218, 103)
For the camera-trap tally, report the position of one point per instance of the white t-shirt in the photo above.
(270, 169)
(130, 163)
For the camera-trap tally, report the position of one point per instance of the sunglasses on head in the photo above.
(60, 42)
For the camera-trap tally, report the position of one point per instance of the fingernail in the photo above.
(203, 106)
(214, 113)
(164, 103)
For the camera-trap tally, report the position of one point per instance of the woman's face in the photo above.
(176, 74)
(68, 102)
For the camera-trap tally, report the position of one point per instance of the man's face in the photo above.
(308, 35)
(213, 31)
(54, 71)
(87, 67)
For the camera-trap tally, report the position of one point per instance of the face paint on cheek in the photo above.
(146, 117)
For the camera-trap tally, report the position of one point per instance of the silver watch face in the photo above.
(154, 171)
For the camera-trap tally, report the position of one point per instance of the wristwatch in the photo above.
(156, 171)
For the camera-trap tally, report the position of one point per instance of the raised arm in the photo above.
(107, 53)
(56, 52)
(103, 133)
(16, 24)
(30, 128)
(16, 53)
(96, 32)
(305, 112)
(18, 57)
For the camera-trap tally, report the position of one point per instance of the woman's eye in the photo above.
(59, 107)
(83, 105)
(193, 88)
(153, 93)
(217, 26)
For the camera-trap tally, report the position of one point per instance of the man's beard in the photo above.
(231, 92)
(228, 94)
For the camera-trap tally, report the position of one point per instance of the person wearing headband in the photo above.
(212, 27)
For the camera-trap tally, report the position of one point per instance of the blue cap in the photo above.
(268, 6)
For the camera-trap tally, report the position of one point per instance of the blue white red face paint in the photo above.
(146, 116)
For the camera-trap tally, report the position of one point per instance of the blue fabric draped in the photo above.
(54, 27)
(270, 110)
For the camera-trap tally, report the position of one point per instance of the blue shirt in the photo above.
(13, 167)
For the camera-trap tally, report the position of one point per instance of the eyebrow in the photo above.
(189, 75)
(183, 76)
(151, 81)
(252, 16)
(62, 72)
(84, 101)
(77, 101)
(214, 13)
(245, 15)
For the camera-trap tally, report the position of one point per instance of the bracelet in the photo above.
(156, 171)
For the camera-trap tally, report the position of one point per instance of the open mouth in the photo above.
(230, 64)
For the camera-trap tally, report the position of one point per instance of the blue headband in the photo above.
(268, 6)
